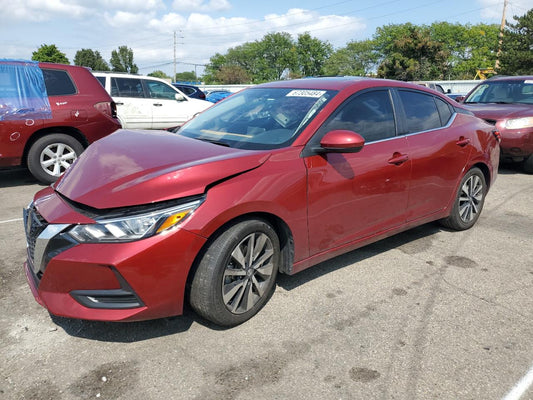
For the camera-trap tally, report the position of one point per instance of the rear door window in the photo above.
(58, 82)
(420, 111)
(127, 87)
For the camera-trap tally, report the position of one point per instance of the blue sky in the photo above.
(205, 27)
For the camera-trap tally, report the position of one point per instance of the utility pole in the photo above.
(500, 40)
(175, 61)
(174, 76)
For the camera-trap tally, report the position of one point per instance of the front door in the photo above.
(355, 196)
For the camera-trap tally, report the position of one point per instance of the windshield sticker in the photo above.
(528, 81)
(306, 93)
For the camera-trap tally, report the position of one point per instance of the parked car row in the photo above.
(273, 179)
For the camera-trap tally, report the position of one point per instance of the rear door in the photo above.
(353, 196)
(439, 151)
(134, 108)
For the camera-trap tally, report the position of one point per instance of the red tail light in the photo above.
(108, 108)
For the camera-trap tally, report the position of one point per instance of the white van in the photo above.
(144, 102)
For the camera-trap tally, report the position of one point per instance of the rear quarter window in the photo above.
(445, 111)
(58, 82)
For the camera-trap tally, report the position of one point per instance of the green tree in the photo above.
(358, 58)
(216, 62)
(187, 76)
(122, 60)
(413, 55)
(91, 59)
(517, 46)
(232, 75)
(159, 74)
(49, 53)
(312, 55)
(470, 47)
(273, 57)
(277, 55)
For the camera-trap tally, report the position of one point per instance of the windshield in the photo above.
(503, 92)
(258, 119)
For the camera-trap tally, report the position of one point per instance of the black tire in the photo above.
(528, 164)
(51, 155)
(468, 202)
(231, 283)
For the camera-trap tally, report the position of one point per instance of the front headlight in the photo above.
(519, 123)
(135, 227)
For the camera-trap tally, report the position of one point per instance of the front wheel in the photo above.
(468, 202)
(51, 155)
(237, 274)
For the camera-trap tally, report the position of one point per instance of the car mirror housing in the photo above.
(341, 141)
(179, 97)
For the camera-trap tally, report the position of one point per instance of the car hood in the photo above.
(500, 111)
(142, 167)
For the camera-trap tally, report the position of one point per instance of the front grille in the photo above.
(34, 224)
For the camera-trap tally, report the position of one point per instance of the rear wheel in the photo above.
(237, 274)
(468, 202)
(51, 155)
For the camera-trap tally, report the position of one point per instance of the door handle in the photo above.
(118, 103)
(158, 104)
(398, 158)
(462, 142)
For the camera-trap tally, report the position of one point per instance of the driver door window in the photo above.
(369, 114)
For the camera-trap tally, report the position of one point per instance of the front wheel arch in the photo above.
(281, 229)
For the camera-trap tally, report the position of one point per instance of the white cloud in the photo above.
(200, 5)
(128, 20)
(493, 9)
(130, 5)
(41, 10)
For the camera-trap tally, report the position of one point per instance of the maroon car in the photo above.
(274, 179)
(48, 114)
(507, 103)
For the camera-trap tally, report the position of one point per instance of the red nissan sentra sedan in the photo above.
(274, 179)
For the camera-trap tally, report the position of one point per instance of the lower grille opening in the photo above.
(107, 299)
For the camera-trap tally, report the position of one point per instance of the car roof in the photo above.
(340, 83)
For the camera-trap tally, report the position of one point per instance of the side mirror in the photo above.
(341, 141)
(179, 97)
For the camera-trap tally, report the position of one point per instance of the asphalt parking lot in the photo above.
(427, 314)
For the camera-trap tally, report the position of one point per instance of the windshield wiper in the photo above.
(214, 142)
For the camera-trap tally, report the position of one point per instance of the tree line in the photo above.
(121, 59)
(440, 51)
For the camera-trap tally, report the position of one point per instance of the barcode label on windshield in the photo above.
(306, 93)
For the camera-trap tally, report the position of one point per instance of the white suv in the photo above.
(144, 102)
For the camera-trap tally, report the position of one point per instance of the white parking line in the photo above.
(11, 220)
(520, 388)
